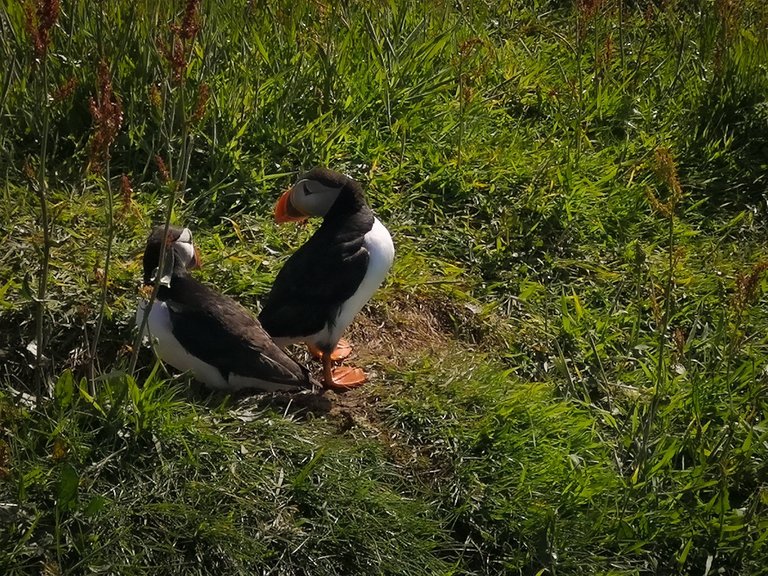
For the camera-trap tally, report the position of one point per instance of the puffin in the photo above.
(195, 328)
(328, 280)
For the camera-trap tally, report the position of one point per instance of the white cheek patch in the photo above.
(313, 198)
(187, 251)
(185, 236)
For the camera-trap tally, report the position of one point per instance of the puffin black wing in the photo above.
(311, 286)
(222, 333)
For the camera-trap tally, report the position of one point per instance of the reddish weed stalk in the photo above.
(666, 172)
(128, 206)
(746, 286)
(165, 177)
(107, 114)
(162, 169)
(182, 36)
(175, 53)
(64, 91)
(665, 169)
(40, 16)
(203, 95)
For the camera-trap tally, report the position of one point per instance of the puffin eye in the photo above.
(307, 190)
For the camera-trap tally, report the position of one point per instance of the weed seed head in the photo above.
(40, 16)
(126, 191)
(666, 172)
(471, 66)
(467, 48)
(729, 17)
(190, 24)
(746, 286)
(679, 339)
(729, 14)
(155, 98)
(162, 169)
(649, 14)
(64, 91)
(663, 208)
(588, 8)
(107, 114)
(175, 56)
(606, 54)
(203, 95)
(182, 35)
(29, 170)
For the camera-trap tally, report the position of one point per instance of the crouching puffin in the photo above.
(194, 328)
(328, 280)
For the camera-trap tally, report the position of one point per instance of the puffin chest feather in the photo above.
(381, 254)
(167, 346)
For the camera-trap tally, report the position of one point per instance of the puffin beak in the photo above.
(197, 263)
(285, 211)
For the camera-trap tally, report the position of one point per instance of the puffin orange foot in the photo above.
(342, 350)
(346, 378)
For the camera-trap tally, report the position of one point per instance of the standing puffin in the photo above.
(194, 328)
(328, 280)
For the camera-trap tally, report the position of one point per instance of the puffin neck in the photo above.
(168, 292)
(350, 201)
(178, 276)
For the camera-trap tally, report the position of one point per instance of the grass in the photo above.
(568, 359)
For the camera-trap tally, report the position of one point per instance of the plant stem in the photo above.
(105, 276)
(42, 287)
(621, 38)
(580, 76)
(461, 111)
(148, 308)
(660, 372)
(180, 183)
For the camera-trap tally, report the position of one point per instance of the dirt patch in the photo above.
(391, 335)
(393, 332)
(388, 334)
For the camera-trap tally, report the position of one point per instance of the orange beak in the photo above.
(197, 262)
(285, 210)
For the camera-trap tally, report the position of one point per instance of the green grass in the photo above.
(568, 360)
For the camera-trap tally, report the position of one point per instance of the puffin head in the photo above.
(180, 254)
(314, 194)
